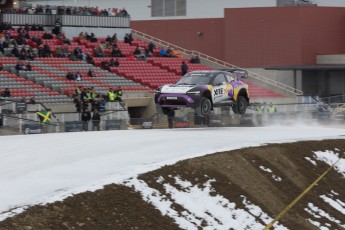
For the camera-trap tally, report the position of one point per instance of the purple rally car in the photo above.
(204, 90)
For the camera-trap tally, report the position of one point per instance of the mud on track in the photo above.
(235, 172)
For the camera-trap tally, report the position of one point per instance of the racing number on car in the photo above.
(219, 92)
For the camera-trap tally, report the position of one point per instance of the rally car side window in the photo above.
(219, 79)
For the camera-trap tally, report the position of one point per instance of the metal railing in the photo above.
(66, 20)
(256, 76)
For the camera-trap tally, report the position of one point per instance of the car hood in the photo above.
(177, 88)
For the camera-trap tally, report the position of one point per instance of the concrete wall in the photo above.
(258, 37)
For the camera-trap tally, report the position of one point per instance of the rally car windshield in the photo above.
(195, 79)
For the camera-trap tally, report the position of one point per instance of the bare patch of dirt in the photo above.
(238, 172)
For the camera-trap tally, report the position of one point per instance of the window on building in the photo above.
(168, 8)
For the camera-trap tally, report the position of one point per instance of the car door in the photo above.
(219, 92)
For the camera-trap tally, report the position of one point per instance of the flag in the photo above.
(44, 116)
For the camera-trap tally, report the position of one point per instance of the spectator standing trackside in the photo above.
(119, 94)
(171, 116)
(96, 120)
(260, 109)
(184, 68)
(111, 95)
(85, 117)
(271, 110)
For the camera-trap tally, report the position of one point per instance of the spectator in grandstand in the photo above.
(57, 28)
(151, 46)
(105, 65)
(91, 73)
(169, 52)
(47, 35)
(195, 59)
(128, 39)
(37, 40)
(78, 76)
(34, 27)
(123, 13)
(15, 51)
(22, 54)
(139, 54)
(78, 53)
(116, 52)
(163, 52)
(114, 38)
(114, 63)
(30, 55)
(81, 37)
(99, 51)
(93, 38)
(96, 120)
(176, 53)
(85, 117)
(28, 66)
(6, 93)
(184, 68)
(21, 39)
(46, 50)
(40, 27)
(89, 59)
(48, 10)
(27, 35)
(70, 76)
(58, 52)
(20, 66)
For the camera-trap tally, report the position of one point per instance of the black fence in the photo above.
(66, 20)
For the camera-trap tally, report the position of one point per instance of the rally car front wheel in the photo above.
(204, 107)
(241, 105)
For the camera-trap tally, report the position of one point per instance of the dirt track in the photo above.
(236, 172)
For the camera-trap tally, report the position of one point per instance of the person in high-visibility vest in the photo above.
(271, 110)
(119, 94)
(260, 109)
(111, 95)
(91, 94)
(77, 91)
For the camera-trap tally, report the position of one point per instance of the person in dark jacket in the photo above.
(96, 120)
(171, 115)
(85, 117)
(184, 68)
(6, 93)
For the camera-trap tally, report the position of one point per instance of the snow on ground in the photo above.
(36, 169)
(216, 211)
(275, 177)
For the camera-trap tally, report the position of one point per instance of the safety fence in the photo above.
(66, 20)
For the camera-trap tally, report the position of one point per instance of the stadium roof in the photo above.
(311, 67)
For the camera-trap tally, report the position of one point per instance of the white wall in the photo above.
(140, 9)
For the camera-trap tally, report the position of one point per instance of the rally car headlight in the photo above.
(193, 92)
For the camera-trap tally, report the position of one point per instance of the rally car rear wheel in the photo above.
(241, 105)
(204, 107)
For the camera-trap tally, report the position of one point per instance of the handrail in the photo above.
(220, 62)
